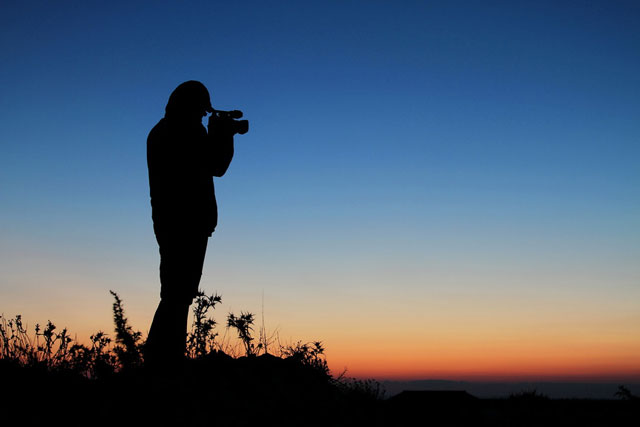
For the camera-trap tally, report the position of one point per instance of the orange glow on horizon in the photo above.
(456, 353)
(540, 360)
(493, 373)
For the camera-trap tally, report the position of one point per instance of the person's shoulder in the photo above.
(159, 131)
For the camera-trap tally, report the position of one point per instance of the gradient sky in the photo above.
(433, 189)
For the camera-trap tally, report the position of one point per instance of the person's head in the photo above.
(189, 101)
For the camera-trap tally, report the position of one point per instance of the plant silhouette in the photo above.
(244, 325)
(129, 342)
(201, 338)
(110, 369)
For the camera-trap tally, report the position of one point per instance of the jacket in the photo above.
(183, 159)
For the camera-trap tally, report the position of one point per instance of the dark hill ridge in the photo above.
(215, 390)
(220, 390)
(485, 389)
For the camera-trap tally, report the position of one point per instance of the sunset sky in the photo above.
(434, 189)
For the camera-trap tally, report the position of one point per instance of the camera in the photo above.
(228, 121)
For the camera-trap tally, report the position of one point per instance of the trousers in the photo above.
(181, 261)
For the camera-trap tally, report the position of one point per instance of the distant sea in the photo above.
(487, 390)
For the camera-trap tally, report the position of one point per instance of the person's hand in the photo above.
(220, 127)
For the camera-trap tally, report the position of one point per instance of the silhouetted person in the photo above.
(182, 158)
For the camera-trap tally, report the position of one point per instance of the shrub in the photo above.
(244, 325)
(201, 338)
(129, 343)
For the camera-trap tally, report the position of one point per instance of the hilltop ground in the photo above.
(47, 379)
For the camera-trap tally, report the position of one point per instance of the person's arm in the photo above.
(220, 149)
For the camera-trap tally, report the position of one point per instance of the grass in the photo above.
(218, 385)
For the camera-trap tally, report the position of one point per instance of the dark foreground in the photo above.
(446, 409)
(267, 390)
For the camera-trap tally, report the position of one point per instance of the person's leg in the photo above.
(181, 262)
(166, 341)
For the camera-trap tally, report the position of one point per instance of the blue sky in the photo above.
(403, 156)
